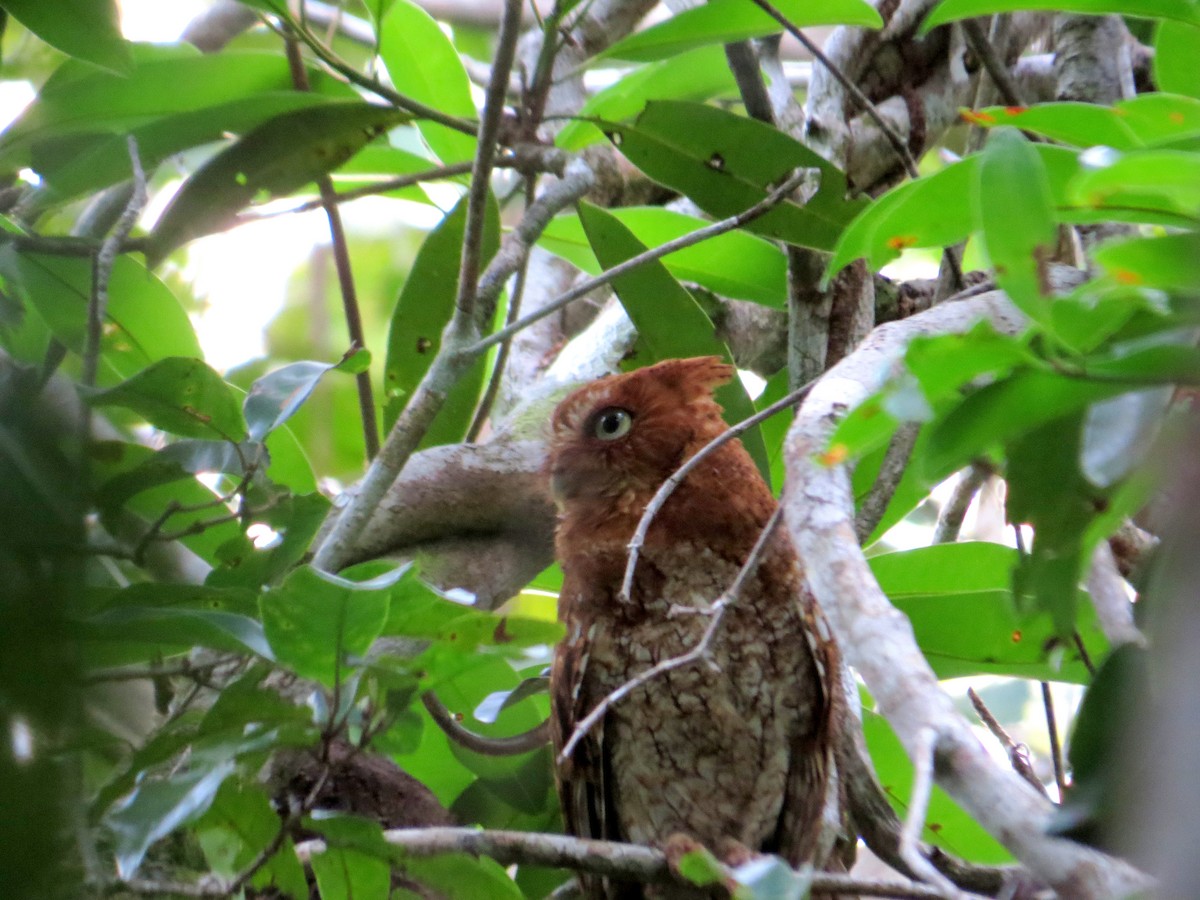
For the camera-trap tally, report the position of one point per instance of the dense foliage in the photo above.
(163, 627)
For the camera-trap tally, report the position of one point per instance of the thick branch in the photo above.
(878, 639)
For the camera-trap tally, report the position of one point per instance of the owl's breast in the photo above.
(705, 749)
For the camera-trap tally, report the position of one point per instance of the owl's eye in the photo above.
(611, 423)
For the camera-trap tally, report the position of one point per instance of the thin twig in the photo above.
(918, 806)
(345, 274)
(400, 101)
(950, 519)
(896, 142)
(1018, 754)
(103, 262)
(716, 611)
(586, 287)
(668, 487)
(489, 129)
(1060, 775)
(514, 745)
(986, 53)
(891, 470)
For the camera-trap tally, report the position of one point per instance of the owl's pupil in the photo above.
(611, 423)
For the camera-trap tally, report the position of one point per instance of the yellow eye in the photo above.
(611, 423)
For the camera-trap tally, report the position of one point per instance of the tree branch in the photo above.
(878, 640)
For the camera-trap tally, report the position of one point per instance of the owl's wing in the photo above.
(803, 835)
(584, 780)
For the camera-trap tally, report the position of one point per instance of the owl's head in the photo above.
(622, 436)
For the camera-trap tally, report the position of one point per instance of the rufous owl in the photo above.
(734, 750)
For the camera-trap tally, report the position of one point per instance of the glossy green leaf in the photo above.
(694, 75)
(425, 306)
(946, 825)
(273, 159)
(933, 211)
(1161, 118)
(175, 629)
(182, 396)
(960, 602)
(734, 264)
(726, 163)
(319, 624)
(729, 21)
(1078, 124)
(423, 64)
(1162, 179)
(275, 397)
(1005, 411)
(144, 321)
(1018, 226)
(295, 519)
(87, 29)
(172, 98)
(950, 10)
(156, 808)
(1175, 45)
(669, 322)
(1168, 262)
(174, 462)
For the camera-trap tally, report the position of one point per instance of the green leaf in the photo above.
(319, 624)
(355, 864)
(180, 395)
(959, 600)
(700, 867)
(1079, 124)
(144, 322)
(950, 10)
(276, 396)
(423, 64)
(174, 462)
(1167, 262)
(462, 875)
(1018, 225)
(694, 75)
(669, 323)
(275, 158)
(726, 163)
(74, 134)
(1050, 492)
(87, 29)
(933, 211)
(1174, 62)
(946, 825)
(425, 306)
(156, 808)
(729, 21)
(1161, 118)
(1167, 180)
(172, 629)
(734, 264)
(239, 825)
(296, 520)
(1005, 411)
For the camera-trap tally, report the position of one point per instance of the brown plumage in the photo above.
(735, 751)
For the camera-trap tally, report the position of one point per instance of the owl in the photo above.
(733, 751)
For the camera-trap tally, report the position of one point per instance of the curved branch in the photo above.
(513, 745)
(878, 640)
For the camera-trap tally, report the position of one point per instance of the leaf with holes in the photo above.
(182, 396)
(726, 163)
